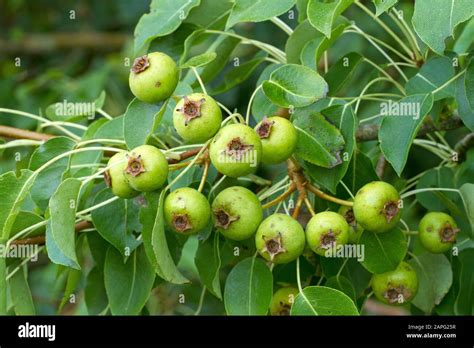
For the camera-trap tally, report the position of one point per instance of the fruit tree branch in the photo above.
(17, 133)
(364, 133)
(371, 131)
(41, 240)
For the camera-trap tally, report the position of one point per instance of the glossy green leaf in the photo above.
(433, 75)
(208, 262)
(87, 159)
(294, 85)
(469, 84)
(322, 15)
(74, 111)
(13, 191)
(435, 20)
(319, 141)
(128, 284)
(155, 241)
(400, 128)
(383, 252)
(61, 226)
(321, 300)
(164, 18)
(464, 304)
(360, 172)
(94, 292)
(344, 119)
(464, 92)
(341, 72)
(26, 219)
(467, 195)
(248, 288)
(257, 10)
(21, 294)
(223, 54)
(140, 121)
(119, 230)
(113, 129)
(465, 40)
(302, 34)
(262, 106)
(209, 13)
(436, 177)
(435, 278)
(314, 49)
(342, 284)
(47, 181)
(237, 75)
(200, 60)
(382, 6)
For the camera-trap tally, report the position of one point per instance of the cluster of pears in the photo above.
(236, 150)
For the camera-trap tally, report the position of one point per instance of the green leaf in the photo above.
(13, 191)
(436, 177)
(464, 92)
(200, 60)
(21, 294)
(399, 129)
(469, 83)
(435, 278)
(164, 18)
(237, 75)
(302, 34)
(208, 263)
(302, 6)
(343, 117)
(467, 195)
(155, 242)
(140, 121)
(209, 13)
(382, 6)
(433, 74)
(54, 252)
(128, 284)
(88, 157)
(112, 129)
(342, 71)
(48, 180)
(435, 20)
(319, 141)
(320, 300)
(248, 288)
(94, 292)
(257, 10)
(314, 49)
(261, 105)
(73, 278)
(97, 245)
(223, 53)
(360, 172)
(464, 304)
(61, 226)
(294, 85)
(342, 284)
(74, 111)
(465, 40)
(322, 15)
(26, 219)
(383, 252)
(119, 230)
